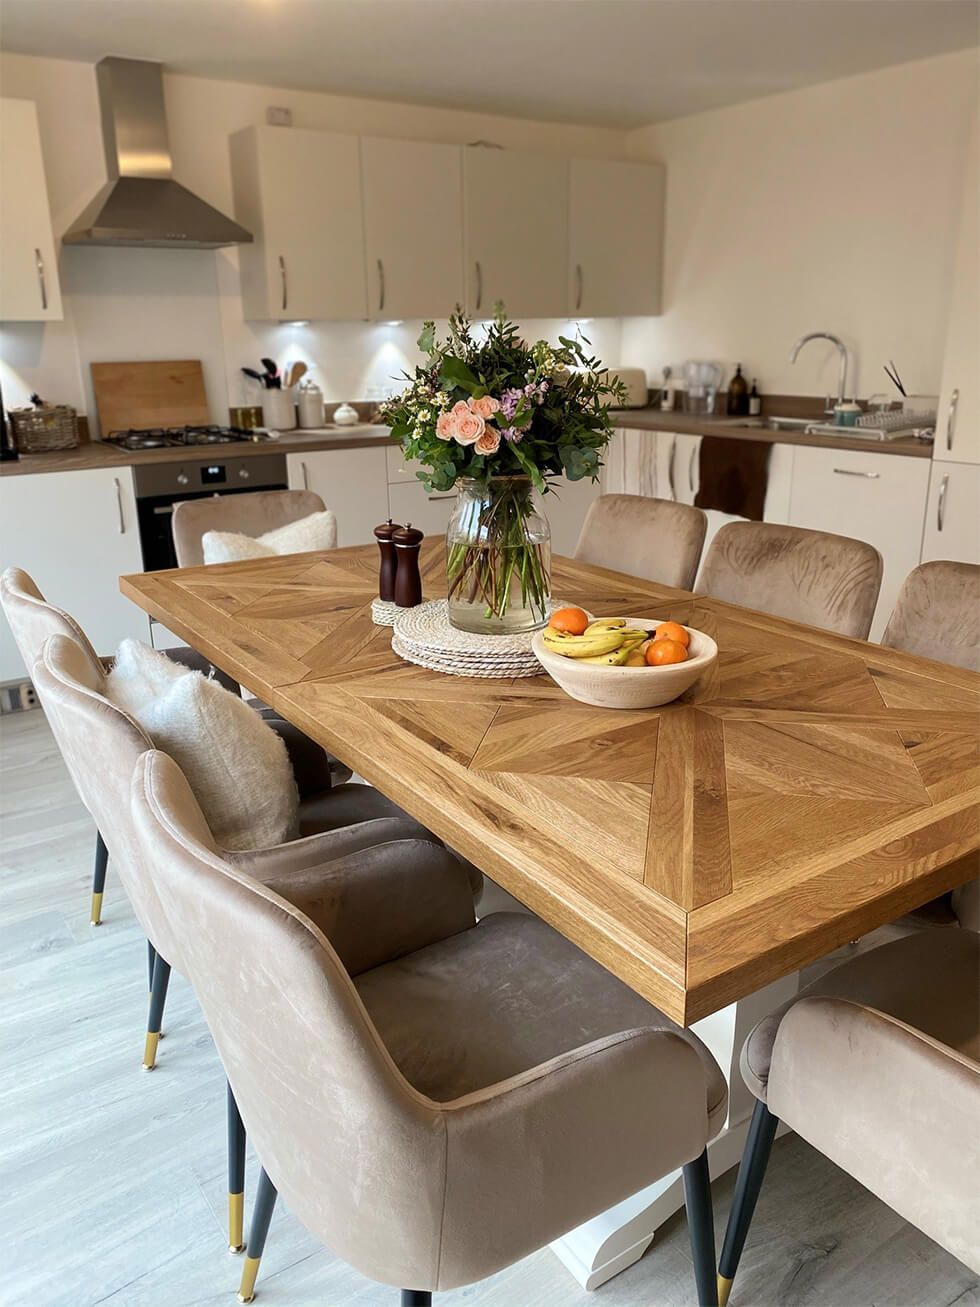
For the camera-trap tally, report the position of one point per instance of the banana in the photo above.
(605, 624)
(615, 659)
(582, 646)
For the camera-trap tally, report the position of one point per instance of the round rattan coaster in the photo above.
(424, 636)
(383, 612)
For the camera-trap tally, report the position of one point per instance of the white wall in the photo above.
(829, 209)
(157, 304)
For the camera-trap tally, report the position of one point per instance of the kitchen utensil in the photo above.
(295, 374)
(274, 381)
(345, 415)
(702, 380)
(150, 394)
(388, 565)
(278, 410)
(256, 376)
(893, 377)
(309, 403)
(628, 687)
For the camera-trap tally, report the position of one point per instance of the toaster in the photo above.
(635, 381)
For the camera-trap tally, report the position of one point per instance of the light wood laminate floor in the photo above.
(113, 1180)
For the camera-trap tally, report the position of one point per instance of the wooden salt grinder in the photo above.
(386, 577)
(408, 579)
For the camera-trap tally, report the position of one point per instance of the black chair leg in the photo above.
(751, 1171)
(416, 1298)
(98, 879)
(265, 1202)
(151, 958)
(236, 1177)
(158, 999)
(701, 1225)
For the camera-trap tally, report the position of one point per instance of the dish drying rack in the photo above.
(890, 425)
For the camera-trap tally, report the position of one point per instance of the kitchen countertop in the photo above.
(96, 453)
(652, 419)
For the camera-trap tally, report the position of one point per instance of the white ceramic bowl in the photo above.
(628, 687)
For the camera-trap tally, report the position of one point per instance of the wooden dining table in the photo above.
(809, 788)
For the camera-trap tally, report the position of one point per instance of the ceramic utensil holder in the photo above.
(278, 410)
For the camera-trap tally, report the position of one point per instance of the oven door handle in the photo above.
(163, 509)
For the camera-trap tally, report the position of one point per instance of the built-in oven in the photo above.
(161, 485)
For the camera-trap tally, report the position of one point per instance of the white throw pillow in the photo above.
(236, 765)
(318, 531)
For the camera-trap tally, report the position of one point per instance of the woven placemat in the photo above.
(424, 636)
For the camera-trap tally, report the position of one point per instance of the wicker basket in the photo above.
(40, 430)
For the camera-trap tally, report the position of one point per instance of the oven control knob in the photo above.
(243, 473)
(182, 478)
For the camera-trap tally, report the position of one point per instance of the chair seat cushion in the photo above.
(318, 531)
(496, 1000)
(931, 981)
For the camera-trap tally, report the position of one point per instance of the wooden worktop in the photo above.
(807, 789)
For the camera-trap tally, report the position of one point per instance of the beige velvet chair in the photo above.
(823, 580)
(248, 514)
(101, 744)
(877, 1064)
(653, 538)
(436, 1116)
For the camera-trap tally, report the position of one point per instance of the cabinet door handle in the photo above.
(941, 505)
(283, 283)
(670, 467)
(954, 399)
(479, 285)
(690, 466)
(578, 286)
(381, 285)
(39, 264)
(850, 472)
(119, 506)
(306, 476)
(435, 499)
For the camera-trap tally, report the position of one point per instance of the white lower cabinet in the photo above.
(351, 482)
(410, 504)
(566, 510)
(880, 498)
(75, 533)
(952, 528)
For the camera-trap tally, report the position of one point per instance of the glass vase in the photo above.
(499, 557)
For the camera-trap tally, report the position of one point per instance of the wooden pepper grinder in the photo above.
(408, 579)
(386, 577)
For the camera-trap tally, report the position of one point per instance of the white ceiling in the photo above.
(620, 63)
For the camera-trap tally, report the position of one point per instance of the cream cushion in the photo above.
(318, 531)
(237, 766)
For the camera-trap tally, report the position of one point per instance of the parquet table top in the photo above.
(808, 789)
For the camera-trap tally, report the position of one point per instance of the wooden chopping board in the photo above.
(160, 394)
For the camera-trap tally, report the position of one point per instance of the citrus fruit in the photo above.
(672, 631)
(662, 652)
(636, 659)
(571, 620)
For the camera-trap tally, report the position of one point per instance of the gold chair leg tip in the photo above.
(250, 1272)
(250, 1298)
(96, 913)
(724, 1289)
(236, 1248)
(150, 1050)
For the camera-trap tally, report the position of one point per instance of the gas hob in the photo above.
(139, 438)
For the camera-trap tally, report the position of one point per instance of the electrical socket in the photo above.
(18, 698)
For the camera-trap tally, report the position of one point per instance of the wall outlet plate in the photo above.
(18, 698)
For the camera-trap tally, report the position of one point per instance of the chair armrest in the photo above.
(892, 1106)
(553, 1147)
(323, 847)
(377, 902)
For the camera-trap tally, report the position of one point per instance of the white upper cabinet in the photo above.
(413, 228)
(299, 194)
(515, 233)
(29, 289)
(958, 428)
(615, 237)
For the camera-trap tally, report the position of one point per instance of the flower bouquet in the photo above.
(504, 420)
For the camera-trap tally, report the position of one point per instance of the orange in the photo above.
(571, 620)
(673, 631)
(662, 652)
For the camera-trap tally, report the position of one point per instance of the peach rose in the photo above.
(446, 426)
(488, 442)
(469, 427)
(460, 407)
(486, 406)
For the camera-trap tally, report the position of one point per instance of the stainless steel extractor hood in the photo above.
(141, 204)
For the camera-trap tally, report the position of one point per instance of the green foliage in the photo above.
(555, 416)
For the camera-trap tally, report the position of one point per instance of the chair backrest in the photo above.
(249, 515)
(653, 538)
(329, 1114)
(937, 614)
(100, 745)
(814, 577)
(32, 619)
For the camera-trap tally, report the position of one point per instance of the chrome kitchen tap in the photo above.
(841, 350)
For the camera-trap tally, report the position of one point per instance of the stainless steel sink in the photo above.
(770, 423)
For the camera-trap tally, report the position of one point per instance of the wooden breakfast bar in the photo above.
(807, 790)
